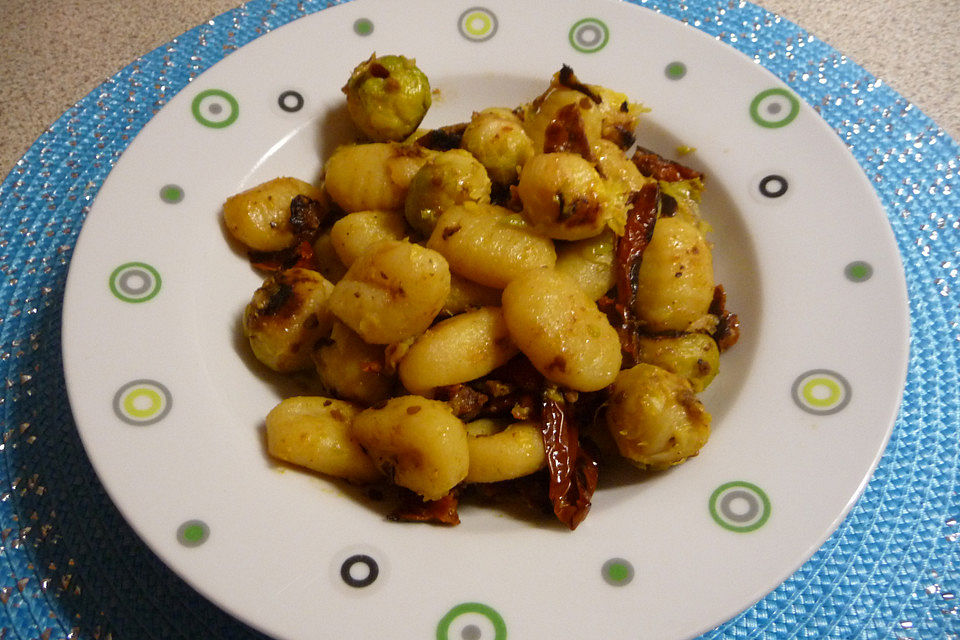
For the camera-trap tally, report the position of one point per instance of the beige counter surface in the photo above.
(52, 53)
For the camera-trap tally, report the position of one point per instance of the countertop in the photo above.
(53, 53)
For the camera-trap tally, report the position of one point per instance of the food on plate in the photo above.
(450, 177)
(655, 418)
(387, 97)
(483, 303)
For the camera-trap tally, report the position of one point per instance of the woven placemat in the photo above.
(72, 567)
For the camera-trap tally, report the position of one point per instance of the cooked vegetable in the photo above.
(490, 290)
(497, 139)
(590, 262)
(387, 97)
(563, 196)
(572, 469)
(655, 418)
(467, 294)
(693, 356)
(449, 178)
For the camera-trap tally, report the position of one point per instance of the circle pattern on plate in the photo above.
(617, 572)
(477, 24)
(135, 282)
(472, 621)
(675, 70)
(290, 101)
(858, 271)
(739, 506)
(142, 402)
(821, 392)
(193, 533)
(363, 27)
(359, 570)
(774, 108)
(215, 108)
(773, 186)
(171, 193)
(589, 35)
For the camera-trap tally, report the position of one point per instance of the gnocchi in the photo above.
(315, 433)
(392, 292)
(469, 297)
(417, 443)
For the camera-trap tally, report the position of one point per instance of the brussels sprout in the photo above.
(497, 139)
(387, 97)
(451, 177)
(654, 417)
(694, 356)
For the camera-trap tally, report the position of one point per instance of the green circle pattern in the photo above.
(589, 35)
(617, 572)
(363, 27)
(135, 407)
(171, 193)
(148, 277)
(758, 502)
(193, 533)
(675, 70)
(770, 101)
(858, 271)
(495, 619)
(208, 106)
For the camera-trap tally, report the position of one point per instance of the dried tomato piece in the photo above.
(641, 218)
(567, 132)
(414, 509)
(444, 138)
(306, 214)
(299, 255)
(653, 165)
(573, 471)
(727, 332)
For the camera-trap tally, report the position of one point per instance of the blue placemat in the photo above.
(70, 567)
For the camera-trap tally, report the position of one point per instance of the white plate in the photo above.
(170, 408)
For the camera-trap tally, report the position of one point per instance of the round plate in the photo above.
(170, 406)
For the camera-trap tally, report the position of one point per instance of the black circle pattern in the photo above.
(373, 570)
(290, 101)
(773, 186)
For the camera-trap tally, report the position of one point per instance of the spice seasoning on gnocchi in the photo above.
(484, 302)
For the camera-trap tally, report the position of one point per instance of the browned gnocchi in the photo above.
(476, 299)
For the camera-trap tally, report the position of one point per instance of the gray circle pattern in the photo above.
(797, 392)
(724, 506)
(463, 24)
(120, 397)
